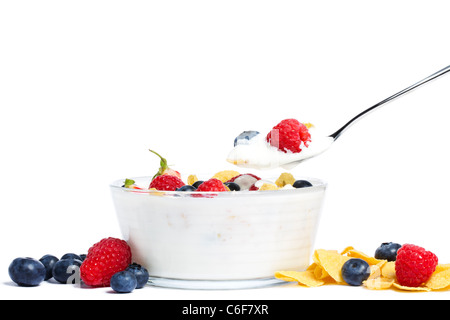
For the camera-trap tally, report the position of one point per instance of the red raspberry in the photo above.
(288, 135)
(103, 260)
(212, 185)
(166, 183)
(414, 265)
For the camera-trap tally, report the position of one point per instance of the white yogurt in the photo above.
(259, 154)
(231, 236)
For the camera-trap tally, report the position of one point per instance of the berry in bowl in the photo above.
(228, 231)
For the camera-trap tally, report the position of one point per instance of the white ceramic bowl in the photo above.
(221, 240)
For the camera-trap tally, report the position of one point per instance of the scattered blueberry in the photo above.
(48, 261)
(65, 268)
(27, 272)
(302, 184)
(140, 273)
(355, 271)
(233, 186)
(186, 188)
(197, 183)
(387, 251)
(71, 256)
(244, 137)
(123, 282)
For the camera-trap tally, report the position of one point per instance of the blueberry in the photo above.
(48, 261)
(26, 272)
(244, 137)
(71, 256)
(140, 273)
(355, 271)
(387, 251)
(64, 269)
(197, 183)
(233, 186)
(123, 282)
(82, 257)
(186, 188)
(302, 184)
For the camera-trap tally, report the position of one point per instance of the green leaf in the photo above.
(129, 183)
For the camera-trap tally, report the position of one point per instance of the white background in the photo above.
(86, 87)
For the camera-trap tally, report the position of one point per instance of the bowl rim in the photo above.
(318, 184)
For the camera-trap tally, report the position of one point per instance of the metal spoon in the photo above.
(323, 143)
(338, 133)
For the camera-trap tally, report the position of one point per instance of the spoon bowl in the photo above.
(258, 154)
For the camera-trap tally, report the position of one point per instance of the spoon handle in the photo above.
(398, 94)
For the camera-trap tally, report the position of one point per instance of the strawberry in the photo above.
(166, 182)
(103, 260)
(246, 181)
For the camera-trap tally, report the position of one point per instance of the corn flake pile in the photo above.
(327, 265)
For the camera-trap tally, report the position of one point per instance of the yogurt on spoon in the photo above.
(265, 152)
(286, 145)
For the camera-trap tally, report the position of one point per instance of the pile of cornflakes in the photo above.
(327, 265)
